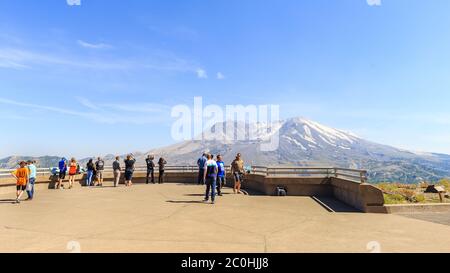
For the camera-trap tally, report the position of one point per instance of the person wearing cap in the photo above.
(100, 167)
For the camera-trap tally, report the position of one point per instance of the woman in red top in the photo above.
(73, 168)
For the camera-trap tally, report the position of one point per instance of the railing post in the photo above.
(363, 175)
(335, 173)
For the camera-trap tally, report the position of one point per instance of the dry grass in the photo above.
(397, 193)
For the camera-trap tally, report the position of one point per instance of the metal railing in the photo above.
(311, 172)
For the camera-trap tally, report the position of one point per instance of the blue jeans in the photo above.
(210, 187)
(201, 175)
(31, 191)
(89, 176)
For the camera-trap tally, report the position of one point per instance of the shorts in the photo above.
(128, 175)
(99, 174)
(62, 175)
(238, 176)
(21, 187)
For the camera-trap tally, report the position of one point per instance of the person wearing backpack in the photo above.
(73, 169)
(150, 168)
(210, 178)
(100, 167)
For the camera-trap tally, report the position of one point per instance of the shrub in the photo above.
(394, 199)
(409, 194)
(445, 183)
(420, 198)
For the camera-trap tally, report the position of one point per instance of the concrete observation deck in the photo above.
(172, 218)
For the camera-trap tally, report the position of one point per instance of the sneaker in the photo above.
(17, 201)
(205, 200)
(213, 202)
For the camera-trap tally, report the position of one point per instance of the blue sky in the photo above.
(102, 77)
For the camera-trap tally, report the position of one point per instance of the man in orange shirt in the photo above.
(22, 175)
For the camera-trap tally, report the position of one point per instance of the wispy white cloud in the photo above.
(201, 74)
(220, 76)
(93, 46)
(18, 58)
(86, 103)
(27, 58)
(105, 113)
(374, 2)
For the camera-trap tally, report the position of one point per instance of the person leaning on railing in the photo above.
(237, 170)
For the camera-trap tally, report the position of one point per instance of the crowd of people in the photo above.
(212, 174)
(95, 171)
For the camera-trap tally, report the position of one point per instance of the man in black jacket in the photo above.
(150, 168)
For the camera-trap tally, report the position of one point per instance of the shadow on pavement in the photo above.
(7, 201)
(185, 202)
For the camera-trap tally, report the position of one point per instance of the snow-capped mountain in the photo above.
(308, 143)
(302, 142)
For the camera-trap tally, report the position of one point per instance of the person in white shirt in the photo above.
(210, 178)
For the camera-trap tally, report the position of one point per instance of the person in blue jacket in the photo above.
(201, 163)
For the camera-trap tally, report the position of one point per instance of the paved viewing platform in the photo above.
(172, 218)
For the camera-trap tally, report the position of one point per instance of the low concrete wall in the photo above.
(416, 208)
(296, 187)
(364, 197)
